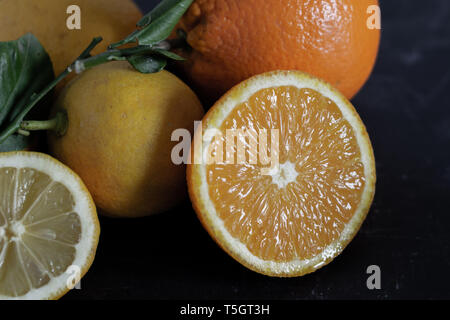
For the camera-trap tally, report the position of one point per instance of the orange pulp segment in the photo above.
(301, 215)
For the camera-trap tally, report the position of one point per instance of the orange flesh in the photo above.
(300, 218)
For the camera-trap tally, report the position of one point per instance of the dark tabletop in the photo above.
(406, 108)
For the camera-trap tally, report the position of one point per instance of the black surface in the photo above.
(405, 106)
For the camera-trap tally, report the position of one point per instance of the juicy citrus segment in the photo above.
(47, 223)
(314, 199)
(304, 212)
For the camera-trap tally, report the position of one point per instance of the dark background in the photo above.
(406, 108)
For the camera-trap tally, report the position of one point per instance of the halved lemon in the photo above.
(49, 228)
(293, 217)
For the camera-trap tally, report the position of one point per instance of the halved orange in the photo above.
(298, 216)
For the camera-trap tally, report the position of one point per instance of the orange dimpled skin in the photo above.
(232, 40)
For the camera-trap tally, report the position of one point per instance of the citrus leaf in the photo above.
(129, 39)
(157, 12)
(15, 142)
(25, 69)
(161, 28)
(169, 54)
(158, 24)
(147, 64)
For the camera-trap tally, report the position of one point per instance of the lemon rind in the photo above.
(84, 206)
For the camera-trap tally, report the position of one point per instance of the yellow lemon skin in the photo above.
(113, 20)
(119, 137)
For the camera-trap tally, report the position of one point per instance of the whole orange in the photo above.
(232, 40)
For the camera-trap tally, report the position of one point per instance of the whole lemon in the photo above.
(47, 20)
(119, 137)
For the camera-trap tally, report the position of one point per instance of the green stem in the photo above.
(115, 54)
(58, 124)
(15, 124)
(23, 132)
(84, 61)
(169, 9)
(87, 52)
(34, 125)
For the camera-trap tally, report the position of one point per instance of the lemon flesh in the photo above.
(45, 220)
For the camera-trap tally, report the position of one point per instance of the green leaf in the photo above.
(169, 54)
(157, 12)
(25, 69)
(169, 13)
(158, 24)
(129, 39)
(147, 64)
(15, 142)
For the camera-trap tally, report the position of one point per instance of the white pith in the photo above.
(284, 174)
(86, 247)
(220, 113)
